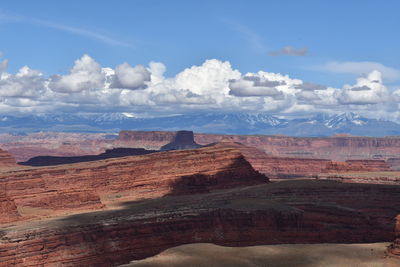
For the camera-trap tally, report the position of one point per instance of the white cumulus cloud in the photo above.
(85, 74)
(129, 77)
(25, 83)
(213, 85)
(367, 90)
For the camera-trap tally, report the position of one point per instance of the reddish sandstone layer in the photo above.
(79, 186)
(148, 140)
(8, 209)
(285, 167)
(337, 147)
(286, 212)
(71, 144)
(54, 144)
(6, 160)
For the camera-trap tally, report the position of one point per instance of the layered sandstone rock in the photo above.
(31, 145)
(8, 209)
(338, 147)
(6, 160)
(146, 139)
(182, 140)
(286, 167)
(80, 186)
(394, 163)
(285, 212)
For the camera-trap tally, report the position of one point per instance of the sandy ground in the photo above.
(299, 255)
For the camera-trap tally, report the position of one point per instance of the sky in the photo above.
(285, 58)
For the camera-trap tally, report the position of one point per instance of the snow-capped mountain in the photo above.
(223, 123)
(340, 120)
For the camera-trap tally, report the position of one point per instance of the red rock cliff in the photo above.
(286, 167)
(286, 212)
(338, 147)
(80, 186)
(6, 160)
(8, 209)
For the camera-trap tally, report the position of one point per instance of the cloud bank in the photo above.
(212, 86)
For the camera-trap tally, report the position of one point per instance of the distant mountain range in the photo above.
(221, 123)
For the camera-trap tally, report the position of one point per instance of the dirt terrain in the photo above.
(301, 255)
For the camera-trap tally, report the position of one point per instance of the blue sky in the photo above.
(330, 42)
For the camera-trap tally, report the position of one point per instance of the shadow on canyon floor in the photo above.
(41, 161)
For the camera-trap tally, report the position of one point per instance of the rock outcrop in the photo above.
(182, 140)
(153, 140)
(279, 213)
(6, 160)
(79, 186)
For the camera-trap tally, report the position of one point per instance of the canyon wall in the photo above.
(6, 160)
(287, 167)
(338, 148)
(81, 185)
(8, 209)
(24, 147)
(286, 212)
